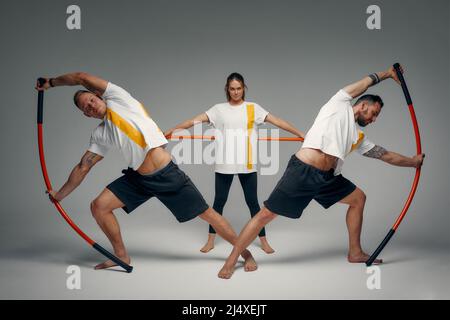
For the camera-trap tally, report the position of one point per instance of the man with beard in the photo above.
(314, 172)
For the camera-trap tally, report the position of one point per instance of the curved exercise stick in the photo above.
(416, 177)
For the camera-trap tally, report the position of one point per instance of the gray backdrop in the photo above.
(174, 56)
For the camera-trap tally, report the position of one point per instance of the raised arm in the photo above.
(77, 175)
(358, 88)
(282, 124)
(90, 82)
(395, 159)
(187, 124)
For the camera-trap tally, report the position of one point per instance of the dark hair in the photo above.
(238, 77)
(77, 95)
(371, 98)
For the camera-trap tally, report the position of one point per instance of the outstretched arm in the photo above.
(395, 159)
(358, 88)
(90, 82)
(282, 124)
(187, 124)
(77, 175)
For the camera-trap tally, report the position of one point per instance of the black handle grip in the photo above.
(403, 83)
(380, 247)
(40, 114)
(112, 257)
(42, 81)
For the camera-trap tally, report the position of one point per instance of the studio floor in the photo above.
(168, 265)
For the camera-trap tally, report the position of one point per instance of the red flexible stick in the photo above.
(49, 187)
(416, 177)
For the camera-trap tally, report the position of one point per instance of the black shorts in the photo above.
(301, 183)
(170, 185)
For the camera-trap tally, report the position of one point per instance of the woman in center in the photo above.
(236, 119)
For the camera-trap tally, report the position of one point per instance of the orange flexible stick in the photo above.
(174, 138)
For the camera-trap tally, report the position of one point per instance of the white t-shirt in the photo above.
(335, 131)
(236, 136)
(127, 127)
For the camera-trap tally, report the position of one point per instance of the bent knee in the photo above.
(208, 214)
(98, 207)
(360, 198)
(265, 215)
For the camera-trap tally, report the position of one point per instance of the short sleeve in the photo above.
(365, 146)
(115, 92)
(260, 114)
(342, 95)
(99, 149)
(212, 115)
(121, 98)
(96, 144)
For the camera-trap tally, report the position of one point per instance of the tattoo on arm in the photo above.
(376, 152)
(90, 159)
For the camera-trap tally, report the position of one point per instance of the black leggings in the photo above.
(249, 183)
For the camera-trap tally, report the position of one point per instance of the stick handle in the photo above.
(403, 83)
(40, 114)
(112, 257)
(380, 247)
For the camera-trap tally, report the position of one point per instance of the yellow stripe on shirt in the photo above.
(360, 138)
(250, 124)
(130, 131)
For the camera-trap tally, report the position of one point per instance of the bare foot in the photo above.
(209, 244)
(226, 272)
(207, 247)
(362, 257)
(228, 268)
(265, 245)
(108, 264)
(249, 263)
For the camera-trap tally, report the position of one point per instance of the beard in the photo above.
(361, 122)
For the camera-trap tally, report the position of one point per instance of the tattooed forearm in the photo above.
(78, 173)
(376, 152)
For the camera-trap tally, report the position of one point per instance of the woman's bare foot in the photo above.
(209, 244)
(108, 264)
(265, 245)
(361, 257)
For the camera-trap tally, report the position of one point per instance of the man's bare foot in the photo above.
(265, 245)
(209, 244)
(226, 272)
(228, 268)
(108, 264)
(249, 262)
(362, 257)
